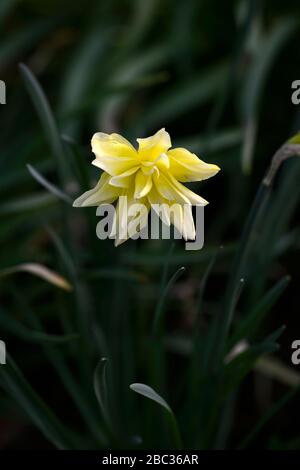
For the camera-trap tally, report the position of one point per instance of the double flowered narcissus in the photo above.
(151, 175)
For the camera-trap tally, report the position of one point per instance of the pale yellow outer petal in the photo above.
(113, 145)
(125, 223)
(102, 193)
(167, 189)
(124, 180)
(160, 205)
(140, 220)
(152, 147)
(193, 198)
(143, 184)
(114, 154)
(176, 217)
(182, 218)
(186, 166)
(172, 212)
(174, 191)
(189, 232)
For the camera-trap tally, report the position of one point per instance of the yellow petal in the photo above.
(126, 222)
(180, 216)
(160, 205)
(189, 232)
(139, 219)
(152, 147)
(167, 189)
(163, 162)
(143, 185)
(113, 145)
(186, 166)
(102, 193)
(124, 180)
(119, 226)
(176, 216)
(174, 191)
(114, 154)
(193, 198)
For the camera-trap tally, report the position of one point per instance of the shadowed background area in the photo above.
(83, 320)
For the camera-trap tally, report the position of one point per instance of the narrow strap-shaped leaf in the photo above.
(251, 322)
(17, 386)
(48, 122)
(148, 392)
(268, 416)
(49, 186)
(41, 271)
(8, 323)
(159, 309)
(101, 390)
(239, 367)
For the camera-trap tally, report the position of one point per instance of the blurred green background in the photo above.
(217, 76)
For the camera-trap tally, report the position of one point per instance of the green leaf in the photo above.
(267, 417)
(114, 273)
(48, 122)
(101, 390)
(240, 366)
(160, 306)
(78, 157)
(238, 269)
(32, 202)
(40, 271)
(8, 323)
(20, 41)
(76, 83)
(50, 186)
(83, 401)
(248, 326)
(148, 392)
(183, 97)
(220, 140)
(266, 51)
(275, 335)
(16, 385)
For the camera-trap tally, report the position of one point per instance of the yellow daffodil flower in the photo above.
(150, 175)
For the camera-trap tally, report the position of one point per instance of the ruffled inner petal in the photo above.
(143, 184)
(114, 154)
(152, 147)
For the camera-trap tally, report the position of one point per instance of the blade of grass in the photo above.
(101, 390)
(11, 325)
(251, 322)
(157, 323)
(48, 122)
(267, 417)
(148, 392)
(253, 220)
(40, 271)
(17, 386)
(49, 186)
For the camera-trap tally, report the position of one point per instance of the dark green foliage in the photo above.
(218, 76)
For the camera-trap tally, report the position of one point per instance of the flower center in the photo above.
(161, 162)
